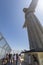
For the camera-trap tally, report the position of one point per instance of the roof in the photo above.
(32, 50)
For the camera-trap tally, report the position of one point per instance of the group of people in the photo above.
(10, 59)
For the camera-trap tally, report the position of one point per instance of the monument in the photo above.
(34, 28)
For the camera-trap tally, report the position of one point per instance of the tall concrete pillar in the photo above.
(34, 28)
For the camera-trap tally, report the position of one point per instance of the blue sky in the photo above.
(12, 20)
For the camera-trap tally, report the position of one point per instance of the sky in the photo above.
(12, 20)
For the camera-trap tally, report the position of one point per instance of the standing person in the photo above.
(10, 58)
(35, 59)
(16, 59)
(19, 59)
(4, 61)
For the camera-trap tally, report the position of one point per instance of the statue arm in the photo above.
(33, 5)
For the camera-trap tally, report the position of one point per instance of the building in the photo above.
(33, 57)
(4, 46)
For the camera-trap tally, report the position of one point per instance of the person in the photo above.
(16, 59)
(4, 61)
(35, 60)
(19, 59)
(10, 58)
